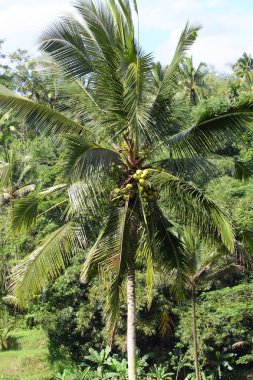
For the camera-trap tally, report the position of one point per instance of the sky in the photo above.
(227, 27)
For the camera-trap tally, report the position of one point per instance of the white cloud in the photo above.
(227, 26)
(21, 23)
(226, 34)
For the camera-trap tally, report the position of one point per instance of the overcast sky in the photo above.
(227, 26)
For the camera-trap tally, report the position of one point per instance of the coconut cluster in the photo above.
(127, 192)
(146, 190)
(138, 184)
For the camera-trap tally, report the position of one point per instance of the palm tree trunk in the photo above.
(194, 334)
(131, 325)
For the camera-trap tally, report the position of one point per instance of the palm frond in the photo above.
(68, 47)
(24, 190)
(243, 170)
(90, 195)
(161, 249)
(44, 264)
(83, 157)
(5, 173)
(212, 130)
(193, 207)
(188, 168)
(41, 117)
(171, 254)
(25, 211)
(187, 38)
(110, 255)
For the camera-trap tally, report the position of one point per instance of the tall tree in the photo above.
(126, 140)
(202, 256)
(194, 79)
(243, 69)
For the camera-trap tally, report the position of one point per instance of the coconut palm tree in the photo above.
(202, 256)
(194, 79)
(243, 69)
(128, 147)
(243, 65)
(12, 174)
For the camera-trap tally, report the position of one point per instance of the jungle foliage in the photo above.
(89, 165)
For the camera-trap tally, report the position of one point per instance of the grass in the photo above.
(28, 360)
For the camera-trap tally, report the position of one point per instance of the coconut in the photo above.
(129, 186)
(139, 172)
(142, 181)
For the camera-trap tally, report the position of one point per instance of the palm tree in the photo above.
(243, 69)
(126, 140)
(202, 256)
(12, 175)
(12, 186)
(194, 79)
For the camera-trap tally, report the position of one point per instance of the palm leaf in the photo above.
(66, 45)
(188, 167)
(24, 190)
(25, 211)
(212, 130)
(243, 170)
(91, 195)
(41, 117)
(187, 38)
(110, 257)
(44, 264)
(5, 173)
(193, 207)
(161, 248)
(83, 157)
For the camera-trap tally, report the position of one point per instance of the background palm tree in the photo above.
(243, 69)
(202, 257)
(194, 79)
(12, 180)
(125, 140)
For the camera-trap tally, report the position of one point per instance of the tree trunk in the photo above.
(194, 334)
(131, 325)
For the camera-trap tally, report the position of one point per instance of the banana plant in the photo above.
(128, 145)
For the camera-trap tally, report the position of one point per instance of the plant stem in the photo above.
(194, 333)
(131, 325)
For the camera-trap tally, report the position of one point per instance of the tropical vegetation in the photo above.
(130, 183)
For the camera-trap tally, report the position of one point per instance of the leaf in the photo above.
(25, 211)
(212, 131)
(187, 38)
(40, 116)
(188, 167)
(43, 264)
(24, 190)
(5, 173)
(194, 208)
(242, 170)
(83, 157)
(110, 257)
